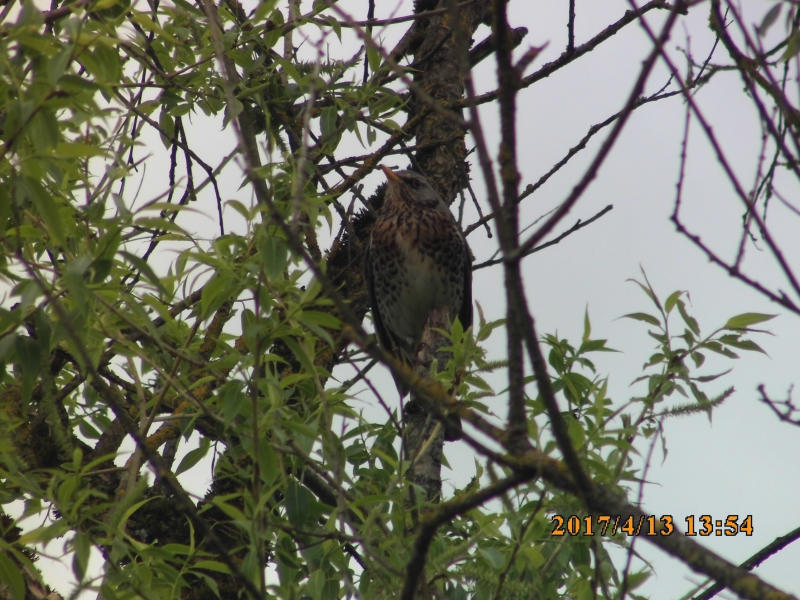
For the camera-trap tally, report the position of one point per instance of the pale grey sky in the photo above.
(741, 462)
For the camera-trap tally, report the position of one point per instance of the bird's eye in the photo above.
(413, 183)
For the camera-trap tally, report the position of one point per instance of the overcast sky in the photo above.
(743, 461)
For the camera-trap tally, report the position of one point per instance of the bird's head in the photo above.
(411, 188)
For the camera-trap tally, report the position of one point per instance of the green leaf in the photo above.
(297, 502)
(250, 565)
(331, 589)
(639, 316)
(647, 290)
(316, 583)
(74, 84)
(167, 125)
(44, 130)
(193, 457)
(275, 255)
(391, 124)
(672, 301)
(486, 328)
(87, 430)
(385, 103)
(39, 43)
(769, 20)
(241, 209)
(145, 269)
(336, 26)
(177, 549)
(77, 150)
(80, 560)
(493, 556)
(637, 579)
(320, 318)
(30, 15)
(289, 66)
(231, 398)
(305, 435)
(25, 232)
(301, 353)
(123, 519)
(269, 463)
(719, 349)
(147, 22)
(690, 321)
(11, 576)
(745, 320)
(595, 346)
(212, 565)
(793, 46)
(180, 110)
(214, 294)
(316, 329)
(534, 555)
(212, 585)
(58, 64)
(47, 209)
(230, 510)
(6, 343)
(373, 58)
(30, 358)
(707, 378)
(587, 326)
(745, 345)
(367, 500)
(264, 7)
(108, 63)
(327, 121)
(576, 433)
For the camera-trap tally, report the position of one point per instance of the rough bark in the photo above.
(443, 160)
(439, 74)
(425, 434)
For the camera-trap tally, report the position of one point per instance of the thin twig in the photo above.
(571, 28)
(609, 142)
(565, 59)
(578, 226)
(751, 563)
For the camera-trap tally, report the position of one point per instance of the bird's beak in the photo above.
(390, 175)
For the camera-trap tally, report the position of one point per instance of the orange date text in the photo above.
(591, 525)
(706, 525)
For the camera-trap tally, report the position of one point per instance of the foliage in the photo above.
(235, 346)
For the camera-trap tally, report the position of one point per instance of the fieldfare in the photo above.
(416, 260)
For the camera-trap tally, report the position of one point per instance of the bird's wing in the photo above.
(384, 337)
(465, 314)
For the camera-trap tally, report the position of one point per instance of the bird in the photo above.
(416, 260)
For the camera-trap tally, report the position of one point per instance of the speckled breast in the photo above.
(417, 257)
